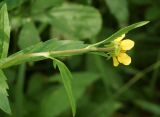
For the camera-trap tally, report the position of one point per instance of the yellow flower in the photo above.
(121, 46)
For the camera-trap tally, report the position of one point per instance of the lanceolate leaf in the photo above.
(4, 103)
(66, 78)
(4, 44)
(4, 32)
(122, 31)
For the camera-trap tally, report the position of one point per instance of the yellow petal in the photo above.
(115, 62)
(119, 38)
(127, 44)
(124, 58)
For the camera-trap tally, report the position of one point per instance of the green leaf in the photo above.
(73, 20)
(4, 103)
(4, 32)
(66, 78)
(42, 5)
(28, 35)
(51, 107)
(4, 44)
(50, 45)
(122, 31)
(119, 8)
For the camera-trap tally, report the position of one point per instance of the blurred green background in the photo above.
(100, 89)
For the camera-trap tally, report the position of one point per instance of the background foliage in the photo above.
(100, 90)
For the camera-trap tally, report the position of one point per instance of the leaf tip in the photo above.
(145, 22)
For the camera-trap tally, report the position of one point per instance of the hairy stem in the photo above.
(21, 58)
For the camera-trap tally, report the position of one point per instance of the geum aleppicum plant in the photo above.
(113, 46)
(119, 53)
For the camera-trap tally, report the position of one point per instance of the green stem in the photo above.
(21, 58)
(19, 91)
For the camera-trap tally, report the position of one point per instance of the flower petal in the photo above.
(115, 62)
(124, 58)
(119, 38)
(127, 44)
